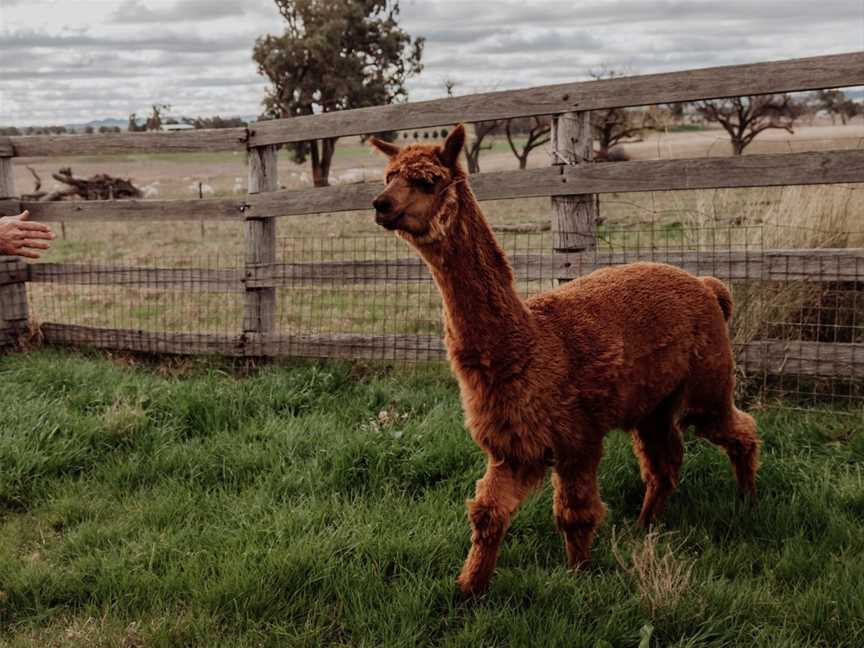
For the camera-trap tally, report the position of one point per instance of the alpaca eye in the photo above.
(424, 185)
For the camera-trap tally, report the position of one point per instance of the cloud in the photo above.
(138, 12)
(171, 41)
(64, 60)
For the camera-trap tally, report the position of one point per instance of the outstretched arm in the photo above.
(20, 237)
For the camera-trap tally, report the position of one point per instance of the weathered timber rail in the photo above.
(572, 182)
(829, 167)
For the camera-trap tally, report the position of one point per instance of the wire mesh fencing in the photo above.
(797, 330)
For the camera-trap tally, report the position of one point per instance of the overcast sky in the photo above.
(65, 61)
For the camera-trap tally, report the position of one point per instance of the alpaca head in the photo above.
(419, 200)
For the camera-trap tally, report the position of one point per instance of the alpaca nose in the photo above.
(382, 204)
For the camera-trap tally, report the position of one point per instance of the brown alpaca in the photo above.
(643, 347)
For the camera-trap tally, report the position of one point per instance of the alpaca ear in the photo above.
(453, 146)
(386, 148)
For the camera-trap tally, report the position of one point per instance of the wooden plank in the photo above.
(764, 170)
(192, 279)
(730, 265)
(141, 341)
(8, 337)
(796, 358)
(573, 217)
(7, 178)
(821, 265)
(10, 207)
(834, 71)
(776, 357)
(6, 148)
(824, 167)
(221, 139)
(259, 310)
(253, 344)
(12, 270)
(136, 210)
(14, 308)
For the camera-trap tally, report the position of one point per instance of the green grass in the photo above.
(311, 504)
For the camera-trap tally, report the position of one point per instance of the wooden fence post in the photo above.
(14, 312)
(573, 217)
(259, 314)
(7, 176)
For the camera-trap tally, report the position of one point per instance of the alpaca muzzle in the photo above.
(388, 221)
(385, 214)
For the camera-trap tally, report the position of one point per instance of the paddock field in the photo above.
(199, 503)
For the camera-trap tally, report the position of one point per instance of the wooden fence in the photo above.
(570, 182)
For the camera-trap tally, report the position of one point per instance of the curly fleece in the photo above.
(641, 347)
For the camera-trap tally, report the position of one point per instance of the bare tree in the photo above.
(154, 121)
(535, 128)
(475, 146)
(450, 86)
(745, 117)
(612, 126)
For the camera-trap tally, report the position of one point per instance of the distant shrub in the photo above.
(426, 135)
(615, 154)
(444, 132)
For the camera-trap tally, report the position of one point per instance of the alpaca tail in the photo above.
(724, 297)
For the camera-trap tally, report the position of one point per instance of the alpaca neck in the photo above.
(485, 318)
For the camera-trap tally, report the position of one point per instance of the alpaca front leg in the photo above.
(499, 493)
(577, 504)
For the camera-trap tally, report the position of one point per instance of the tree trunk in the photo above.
(321, 160)
(473, 158)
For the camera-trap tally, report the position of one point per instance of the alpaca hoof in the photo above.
(471, 588)
(580, 565)
(647, 519)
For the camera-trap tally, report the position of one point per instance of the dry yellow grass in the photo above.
(660, 577)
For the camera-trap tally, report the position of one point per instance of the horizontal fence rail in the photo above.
(792, 357)
(817, 265)
(781, 357)
(219, 139)
(838, 70)
(833, 71)
(829, 167)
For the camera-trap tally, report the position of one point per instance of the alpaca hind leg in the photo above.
(735, 432)
(499, 493)
(659, 447)
(577, 504)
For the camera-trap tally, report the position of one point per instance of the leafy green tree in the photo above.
(335, 55)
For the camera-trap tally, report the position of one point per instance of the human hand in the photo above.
(20, 237)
